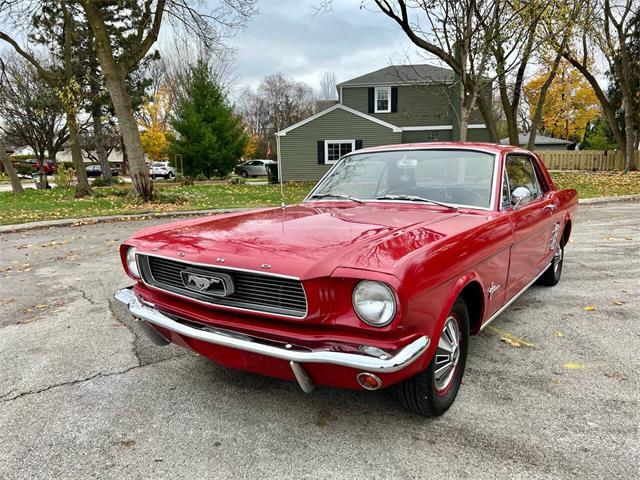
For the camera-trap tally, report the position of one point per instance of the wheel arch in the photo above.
(469, 288)
(566, 233)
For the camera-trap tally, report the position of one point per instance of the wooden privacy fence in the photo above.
(583, 159)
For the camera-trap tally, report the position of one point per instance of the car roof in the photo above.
(479, 146)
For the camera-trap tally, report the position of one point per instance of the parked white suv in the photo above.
(161, 169)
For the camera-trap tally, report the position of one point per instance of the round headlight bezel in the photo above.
(132, 263)
(392, 298)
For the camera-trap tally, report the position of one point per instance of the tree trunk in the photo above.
(630, 134)
(82, 187)
(115, 81)
(464, 123)
(43, 176)
(489, 120)
(103, 158)
(533, 131)
(16, 184)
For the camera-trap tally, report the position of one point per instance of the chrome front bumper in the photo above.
(368, 358)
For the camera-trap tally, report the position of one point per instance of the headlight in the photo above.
(374, 303)
(132, 265)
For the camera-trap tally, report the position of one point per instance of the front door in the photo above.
(532, 222)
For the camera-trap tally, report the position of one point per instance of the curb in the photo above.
(616, 199)
(78, 222)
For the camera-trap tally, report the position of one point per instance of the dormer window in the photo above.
(383, 100)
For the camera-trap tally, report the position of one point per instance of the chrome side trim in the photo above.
(402, 358)
(515, 297)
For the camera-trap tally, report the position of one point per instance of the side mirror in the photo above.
(520, 196)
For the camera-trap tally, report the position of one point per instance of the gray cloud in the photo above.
(290, 37)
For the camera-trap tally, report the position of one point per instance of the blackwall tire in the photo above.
(430, 393)
(552, 275)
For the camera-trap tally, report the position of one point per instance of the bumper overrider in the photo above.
(369, 360)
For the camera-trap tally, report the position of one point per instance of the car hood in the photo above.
(305, 241)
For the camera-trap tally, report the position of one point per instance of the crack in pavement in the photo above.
(84, 294)
(78, 381)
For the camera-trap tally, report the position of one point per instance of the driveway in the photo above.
(551, 390)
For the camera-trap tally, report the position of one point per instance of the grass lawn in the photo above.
(59, 203)
(598, 184)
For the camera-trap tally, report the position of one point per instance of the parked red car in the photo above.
(49, 166)
(376, 280)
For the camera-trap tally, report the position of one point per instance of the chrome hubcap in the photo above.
(447, 354)
(557, 258)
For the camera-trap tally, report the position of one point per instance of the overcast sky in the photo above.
(289, 36)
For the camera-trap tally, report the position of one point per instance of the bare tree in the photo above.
(605, 27)
(451, 32)
(145, 19)
(59, 76)
(278, 102)
(328, 89)
(16, 185)
(31, 112)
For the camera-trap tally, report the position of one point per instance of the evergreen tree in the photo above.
(211, 138)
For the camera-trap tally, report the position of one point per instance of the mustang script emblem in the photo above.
(216, 284)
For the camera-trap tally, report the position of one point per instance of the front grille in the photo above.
(253, 291)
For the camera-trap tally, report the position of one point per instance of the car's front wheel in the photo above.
(244, 174)
(432, 392)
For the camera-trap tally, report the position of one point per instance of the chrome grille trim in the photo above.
(257, 292)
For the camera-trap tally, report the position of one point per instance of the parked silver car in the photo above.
(253, 168)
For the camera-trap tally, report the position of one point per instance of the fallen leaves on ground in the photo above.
(558, 334)
(618, 302)
(510, 339)
(7, 301)
(574, 366)
(590, 308)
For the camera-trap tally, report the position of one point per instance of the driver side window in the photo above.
(521, 173)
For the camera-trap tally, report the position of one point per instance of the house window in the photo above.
(383, 100)
(432, 136)
(334, 149)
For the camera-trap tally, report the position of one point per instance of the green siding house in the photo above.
(397, 104)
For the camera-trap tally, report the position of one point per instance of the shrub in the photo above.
(187, 181)
(106, 182)
(24, 170)
(64, 176)
(236, 180)
(169, 197)
(201, 177)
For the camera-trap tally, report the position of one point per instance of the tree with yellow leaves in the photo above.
(153, 118)
(569, 106)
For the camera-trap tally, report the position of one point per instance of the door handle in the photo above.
(551, 206)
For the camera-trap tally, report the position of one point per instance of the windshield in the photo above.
(455, 177)
(158, 164)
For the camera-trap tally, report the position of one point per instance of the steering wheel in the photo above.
(476, 195)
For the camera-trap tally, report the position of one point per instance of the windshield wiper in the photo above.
(414, 198)
(336, 195)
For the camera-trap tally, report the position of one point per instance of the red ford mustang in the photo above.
(377, 279)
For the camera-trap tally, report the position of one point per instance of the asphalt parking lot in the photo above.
(551, 390)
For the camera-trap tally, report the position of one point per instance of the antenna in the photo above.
(280, 174)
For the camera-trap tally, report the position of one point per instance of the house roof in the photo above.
(283, 132)
(523, 139)
(402, 75)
